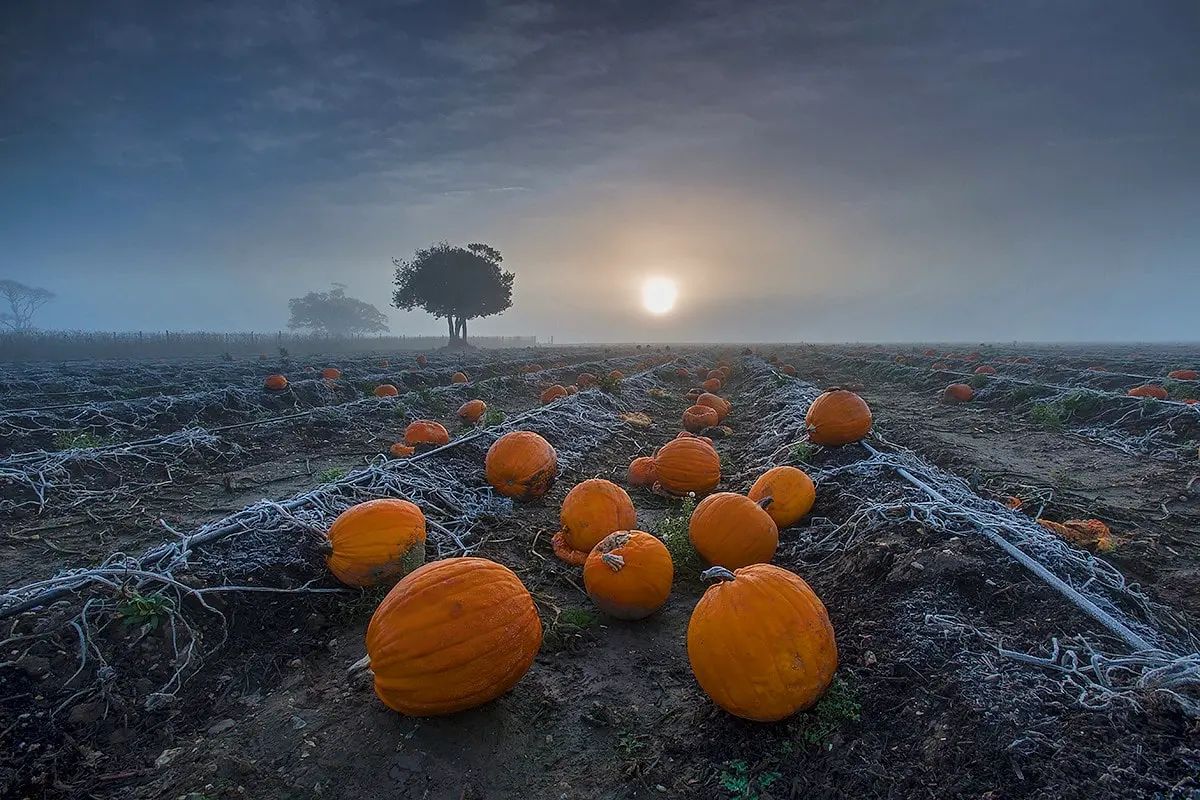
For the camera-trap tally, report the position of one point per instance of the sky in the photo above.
(804, 171)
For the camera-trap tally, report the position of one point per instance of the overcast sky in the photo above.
(806, 171)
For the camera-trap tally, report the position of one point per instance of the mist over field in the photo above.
(821, 171)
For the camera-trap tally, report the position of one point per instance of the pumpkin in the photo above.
(689, 435)
(1183, 375)
(331, 373)
(731, 530)
(521, 465)
(572, 389)
(616, 375)
(790, 491)
(957, 393)
(715, 373)
(1149, 390)
(376, 541)
(585, 379)
(422, 361)
(837, 417)
(1083, 533)
(386, 390)
(788, 369)
(458, 377)
(471, 411)
(275, 383)
(553, 393)
(401, 450)
(682, 373)
(940, 365)
(696, 418)
(985, 369)
(590, 511)
(711, 385)
(452, 635)
(715, 402)
(642, 472)
(687, 465)
(426, 431)
(760, 643)
(930, 353)
(628, 574)
(528, 368)
(1191, 401)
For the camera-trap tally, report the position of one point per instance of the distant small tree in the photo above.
(458, 283)
(335, 314)
(23, 302)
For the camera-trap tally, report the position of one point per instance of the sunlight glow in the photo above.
(659, 295)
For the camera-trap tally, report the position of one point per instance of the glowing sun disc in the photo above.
(659, 295)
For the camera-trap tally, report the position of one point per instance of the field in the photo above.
(170, 628)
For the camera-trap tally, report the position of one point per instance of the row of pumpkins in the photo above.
(457, 633)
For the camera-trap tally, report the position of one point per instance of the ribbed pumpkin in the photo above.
(401, 450)
(760, 643)
(791, 492)
(1149, 390)
(837, 417)
(687, 465)
(458, 377)
(1183, 375)
(718, 404)
(376, 542)
(275, 383)
(426, 431)
(642, 472)
(422, 361)
(628, 574)
(591, 510)
(689, 435)
(957, 393)
(452, 635)
(696, 418)
(553, 393)
(585, 379)
(731, 530)
(711, 385)
(471, 411)
(985, 369)
(331, 373)
(386, 390)
(521, 465)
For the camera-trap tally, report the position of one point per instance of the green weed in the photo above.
(742, 784)
(330, 475)
(432, 404)
(139, 609)
(77, 440)
(1047, 415)
(978, 381)
(803, 451)
(673, 530)
(492, 417)
(577, 617)
(839, 706)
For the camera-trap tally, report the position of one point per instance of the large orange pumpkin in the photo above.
(642, 472)
(471, 411)
(1149, 390)
(715, 402)
(275, 383)
(458, 377)
(591, 510)
(696, 418)
(732, 531)
(687, 465)
(553, 393)
(452, 635)
(1183, 375)
(376, 541)
(760, 643)
(791, 493)
(837, 417)
(958, 393)
(628, 574)
(521, 465)
(331, 373)
(426, 431)
(386, 390)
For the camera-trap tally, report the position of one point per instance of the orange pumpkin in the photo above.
(572, 389)
(1183, 375)
(275, 383)
(711, 385)
(837, 417)
(687, 465)
(401, 450)
(458, 377)
(696, 418)
(791, 493)
(642, 472)
(331, 373)
(590, 511)
(422, 361)
(940, 365)
(731, 530)
(689, 435)
(628, 574)
(616, 375)
(521, 465)
(376, 542)
(958, 393)
(452, 635)
(585, 379)
(530, 368)
(715, 373)
(760, 643)
(788, 369)
(553, 393)
(426, 431)
(471, 411)
(386, 390)
(1149, 390)
(682, 373)
(985, 369)
(718, 404)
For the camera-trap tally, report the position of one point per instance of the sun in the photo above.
(659, 295)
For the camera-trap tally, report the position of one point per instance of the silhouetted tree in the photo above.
(23, 302)
(458, 283)
(335, 314)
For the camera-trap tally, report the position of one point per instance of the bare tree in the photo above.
(23, 302)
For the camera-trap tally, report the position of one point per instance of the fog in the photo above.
(818, 171)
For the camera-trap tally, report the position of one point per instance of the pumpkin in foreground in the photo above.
(687, 465)
(376, 542)
(791, 492)
(590, 511)
(628, 574)
(760, 643)
(837, 417)
(521, 465)
(452, 635)
(732, 531)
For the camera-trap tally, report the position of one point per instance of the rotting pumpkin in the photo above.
(696, 418)
(628, 574)
(642, 472)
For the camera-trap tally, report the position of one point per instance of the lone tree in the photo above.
(23, 302)
(334, 314)
(458, 283)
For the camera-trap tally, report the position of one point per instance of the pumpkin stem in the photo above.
(614, 561)
(765, 502)
(717, 574)
(325, 547)
(360, 665)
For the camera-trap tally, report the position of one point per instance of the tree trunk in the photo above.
(450, 324)
(462, 326)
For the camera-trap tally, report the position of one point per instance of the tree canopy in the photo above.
(458, 283)
(23, 302)
(335, 314)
